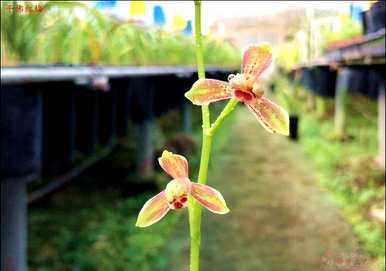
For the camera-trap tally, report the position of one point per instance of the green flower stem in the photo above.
(194, 208)
(224, 113)
(207, 134)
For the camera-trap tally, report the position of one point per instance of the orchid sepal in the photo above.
(256, 59)
(205, 91)
(210, 198)
(153, 210)
(270, 115)
(174, 164)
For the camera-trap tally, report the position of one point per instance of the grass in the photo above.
(348, 168)
(95, 232)
(90, 224)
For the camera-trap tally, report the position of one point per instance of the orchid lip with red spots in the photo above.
(245, 88)
(175, 196)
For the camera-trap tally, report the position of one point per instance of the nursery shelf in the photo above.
(369, 50)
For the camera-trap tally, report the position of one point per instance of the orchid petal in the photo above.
(153, 210)
(256, 59)
(205, 91)
(209, 197)
(175, 165)
(271, 116)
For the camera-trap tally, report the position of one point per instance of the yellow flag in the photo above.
(178, 22)
(137, 8)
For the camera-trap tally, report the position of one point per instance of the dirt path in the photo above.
(280, 219)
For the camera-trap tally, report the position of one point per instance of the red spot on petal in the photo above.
(183, 200)
(243, 96)
(178, 205)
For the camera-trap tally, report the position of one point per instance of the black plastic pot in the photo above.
(86, 106)
(141, 99)
(376, 81)
(325, 80)
(21, 130)
(294, 125)
(314, 83)
(186, 82)
(106, 117)
(219, 75)
(58, 127)
(272, 87)
(121, 89)
(359, 80)
(166, 90)
(375, 17)
(364, 22)
(307, 78)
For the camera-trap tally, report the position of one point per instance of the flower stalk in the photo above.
(207, 133)
(194, 208)
(243, 87)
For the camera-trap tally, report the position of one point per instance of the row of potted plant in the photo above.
(322, 80)
(50, 122)
(75, 33)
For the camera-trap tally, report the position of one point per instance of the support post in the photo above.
(320, 106)
(20, 162)
(186, 118)
(381, 126)
(342, 84)
(13, 225)
(145, 148)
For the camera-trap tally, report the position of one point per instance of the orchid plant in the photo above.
(244, 87)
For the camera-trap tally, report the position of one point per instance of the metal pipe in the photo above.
(88, 73)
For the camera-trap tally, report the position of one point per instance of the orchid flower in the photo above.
(245, 87)
(177, 191)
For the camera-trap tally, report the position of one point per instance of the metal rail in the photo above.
(43, 73)
(68, 177)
